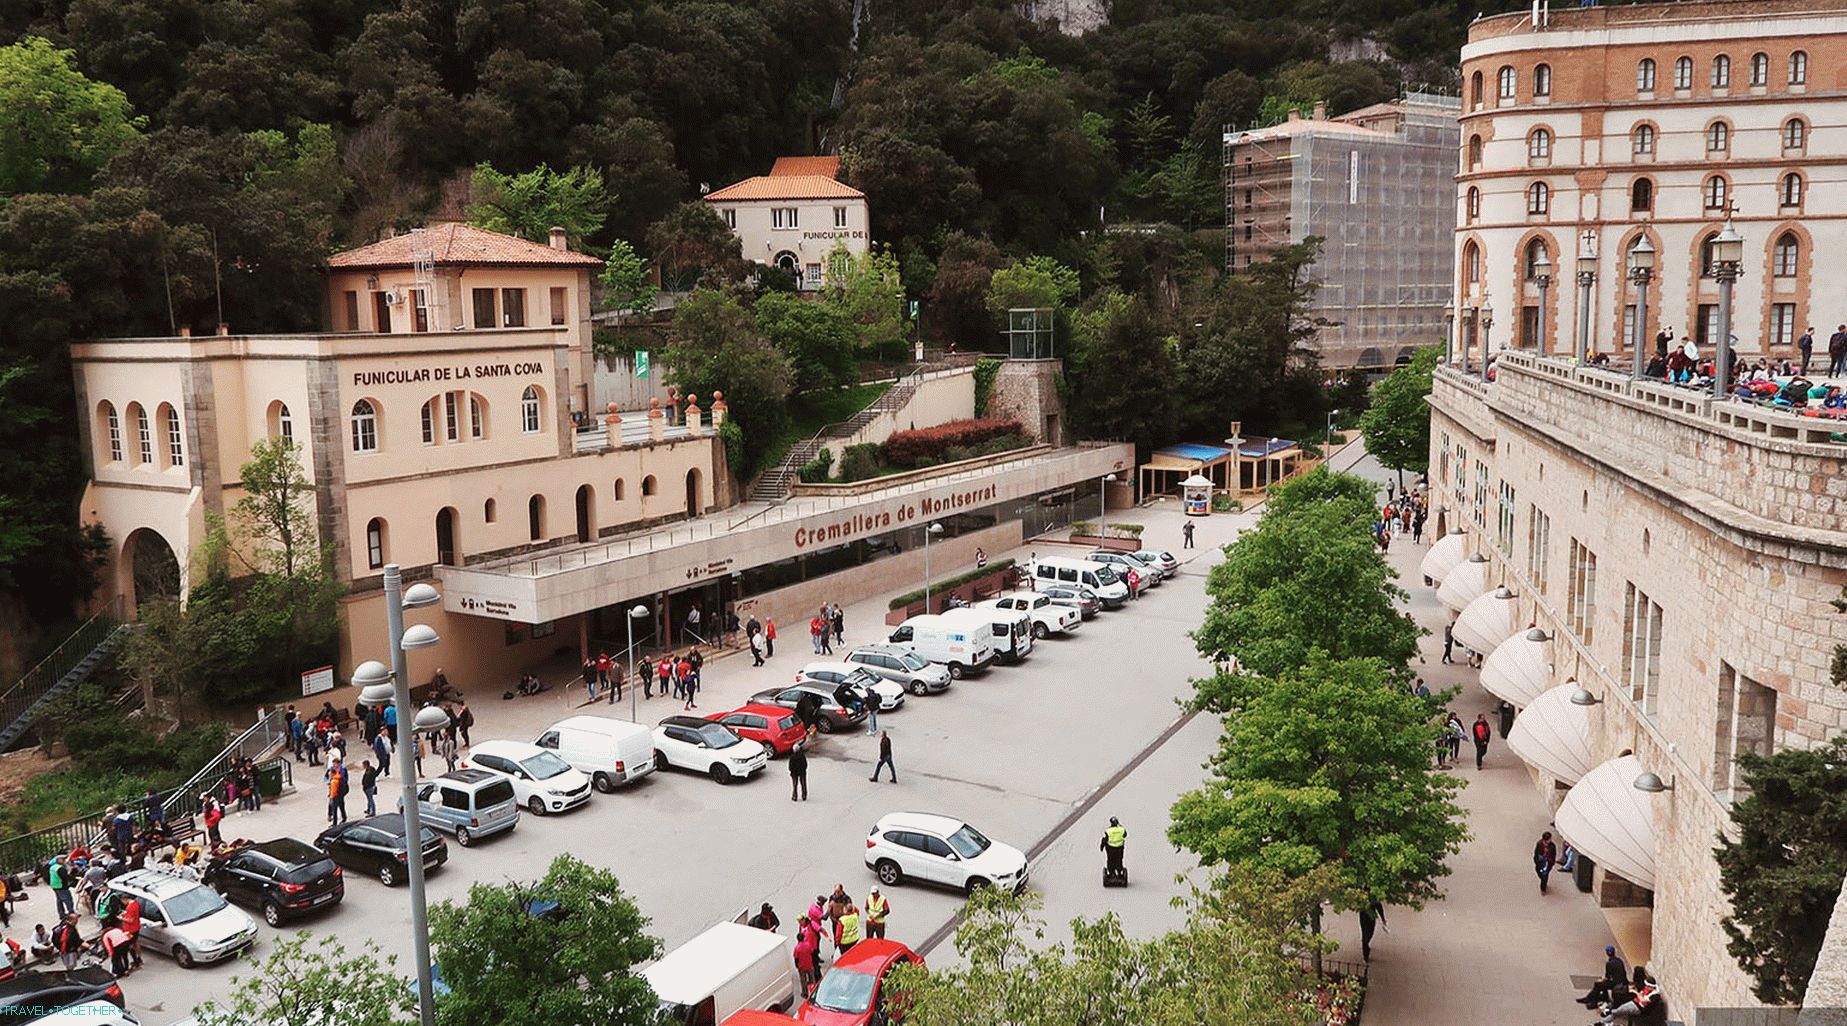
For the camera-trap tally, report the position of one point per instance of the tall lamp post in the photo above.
(934, 528)
(380, 686)
(1587, 277)
(1330, 441)
(1471, 318)
(1487, 329)
(1103, 502)
(1542, 277)
(1727, 256)
(638, 612)
(1641, 271)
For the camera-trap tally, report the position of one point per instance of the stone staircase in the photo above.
(72, 663)
(773, 484)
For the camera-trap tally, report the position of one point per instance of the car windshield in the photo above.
(192, 904)
(544, 765)
(863, 678)
(844, 990)
(1105, 575)
(968, 842)
(912, 661)
(716, 736)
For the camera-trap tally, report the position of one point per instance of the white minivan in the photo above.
(610, 752)
(956, 646)
(1102, 579)
(1012, 629)
(728, 968)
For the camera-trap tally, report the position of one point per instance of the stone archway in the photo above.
(150, 571)
(695, 493)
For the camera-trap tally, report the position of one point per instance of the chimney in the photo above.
(558, 238)
(223, 329)
(1321, 110)
(1295, 115)
(185, 331)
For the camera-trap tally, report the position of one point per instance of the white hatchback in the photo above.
(941, 850)
(691, 743)
(541, 780)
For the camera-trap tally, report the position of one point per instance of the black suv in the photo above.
(283, 877)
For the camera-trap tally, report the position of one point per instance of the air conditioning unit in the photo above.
(392, 299)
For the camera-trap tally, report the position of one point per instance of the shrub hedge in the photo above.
(949, 582)
(910, 449)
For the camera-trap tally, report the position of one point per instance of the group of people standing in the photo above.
(761, 634)
(826, 627)
(834, 920)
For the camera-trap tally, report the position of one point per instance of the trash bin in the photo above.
(1581, 873)
(269, 779)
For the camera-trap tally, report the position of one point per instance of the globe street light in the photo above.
(1727, 256)
(1641, 271)
(1487, 328)
(1587, 277)
(636, 613)
(380, 686)
(928, 531)
(1542, 276)
(1103, 504)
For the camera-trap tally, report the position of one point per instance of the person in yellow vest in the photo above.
(877, 908)
(1114, 838)
(846, 930)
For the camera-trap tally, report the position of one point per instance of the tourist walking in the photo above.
(1806, 344)
(1186, 535)
(213, 814)
(756, 648)
(1545, 856)
(368, 786)
(840, 624)
(1483, 732)
(665, 669)
(769, 638)
(884, 758)
(798, 775)
(1837, 352)
(335, 778)
(1449, 642)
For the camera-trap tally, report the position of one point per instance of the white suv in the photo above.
(1048, 617)
(541, 780)
(187, 920)
(689, 742)
(942, 850)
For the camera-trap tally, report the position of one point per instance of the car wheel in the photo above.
(660, 761)
(919, 688)
(978, 883)
(182, 957)
(826, 725)
(719, 773)
(536, 804)
(272, 913)
(1039, 632)
(602, 783)
(889, 873)
(463, 837)
(955, 671)
(388, 875)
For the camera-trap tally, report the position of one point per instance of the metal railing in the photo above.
(15, 700)
(262, 738)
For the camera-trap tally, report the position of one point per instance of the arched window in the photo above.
(375, 542)
(1760, 69)
(1683, 73)
(1795, 134)
(1798, 68)
(1474, 204)
(429, 422)
(529, 419)
(1474, 152)
(1645, 76)
(1641, 195)
(1471, 264)
(170, 427)
(1530, 263)
(477, 417)
(1507, 82)
(112, 429)
(1475, 89)
(1538, 198)
(144, 435)
(1788, 249)
(535, 517)
(281, 422)
(1542, 80)
(1790, 194)
(489, 513)
(1718, 137)
(1705, 254)
(620, 489)
(647, 486)
(1721, 72)
(1642, 141)
(1715, 193)
(1539, 145)
(365, 426)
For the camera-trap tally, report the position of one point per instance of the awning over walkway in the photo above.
(1487, 621)
(1552, 735)
(1519, 669)
(1606, 818)
(1466, 583)
(1444, 555)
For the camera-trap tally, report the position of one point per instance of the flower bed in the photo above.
(924, 446)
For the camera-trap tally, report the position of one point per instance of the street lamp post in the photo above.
(1487, 329)
(1542, 276)
(1727, 257)
(1103, 502)
(1587, 277)
(636, 613)
(1641, 271)
(934, 528)
(1330, 439)
(1471, 317)
(380, 686)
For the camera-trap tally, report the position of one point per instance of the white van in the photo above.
(609, 752)
(728, 968)
(1111, 590)
(963, 650)
(1012, 629)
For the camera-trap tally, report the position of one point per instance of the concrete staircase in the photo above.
(773, 484)
(72, 663)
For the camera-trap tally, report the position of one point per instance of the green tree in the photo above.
(579, 968)
(1036, 282)
(627, 287)
(1230, 99)
(303, 982)
(1248, 355)
(1118, 332)
(1782, 864)
(530, 204)
(691, 244)
(57, 127)
(956, 306)
(1327, 764)
(868, 289)
(818, 338)
(716, 345)
(1396, 424)
(276, 511)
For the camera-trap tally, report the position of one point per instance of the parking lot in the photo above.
(1037, 756)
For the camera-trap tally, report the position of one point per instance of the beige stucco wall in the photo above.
(813, 239)
(474, 654)
(940, 398)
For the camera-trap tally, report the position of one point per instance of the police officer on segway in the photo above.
(1115, 837)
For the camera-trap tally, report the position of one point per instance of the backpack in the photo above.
(345, 784)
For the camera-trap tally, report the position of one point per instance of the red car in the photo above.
(779, 729)
(753, 1017)
(852, 992)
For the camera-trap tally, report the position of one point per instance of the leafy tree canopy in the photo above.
(530, 204)
(627, 287)
(307, 981)
(1396, 424)
(818, 338)
(57, 127)
(1036, 282)
(717, 345)
(692, 245)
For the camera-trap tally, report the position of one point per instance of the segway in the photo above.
(1115, 876)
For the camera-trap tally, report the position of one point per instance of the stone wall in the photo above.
(1027, 391)
(1715, 522)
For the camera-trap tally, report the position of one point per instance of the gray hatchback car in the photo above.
(902, 667)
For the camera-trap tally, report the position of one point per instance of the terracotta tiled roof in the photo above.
(789, 187)
(824, 167)
(455, 243)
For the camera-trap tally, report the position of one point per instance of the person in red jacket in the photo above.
(1482, 733)
(131, 922)
(769, 637)
(807, 954)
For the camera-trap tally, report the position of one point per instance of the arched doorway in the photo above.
(153, 570)
(448, 553)
(789, 264)
(586, 525)
(695, 498)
